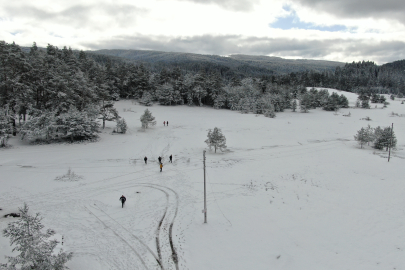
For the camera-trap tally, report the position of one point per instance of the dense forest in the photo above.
(59, 94)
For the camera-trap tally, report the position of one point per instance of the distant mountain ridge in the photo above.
(258, 65)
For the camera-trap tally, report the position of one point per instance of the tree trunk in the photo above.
(103, 123)
(215, 149)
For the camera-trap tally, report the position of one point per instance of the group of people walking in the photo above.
(160, 161)
(166, 123)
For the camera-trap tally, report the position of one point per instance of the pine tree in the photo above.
(147, 119)
(147, 99)
(384, 138)
(35, 246)
(294, 105)
(216, 139)
(165, 93)
(361, 137)
(121, 126)
(305, 102)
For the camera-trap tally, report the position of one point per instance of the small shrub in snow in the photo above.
(147, 119)
(69, 176)
(216, 139)
(36, 249)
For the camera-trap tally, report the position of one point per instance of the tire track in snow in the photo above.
(159, 260)
(115, 233)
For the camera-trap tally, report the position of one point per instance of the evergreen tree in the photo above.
(294, 105)
(361, 137)
(108, 112)
(165, 94)
(147, 119)
(147, 99)
(216, 139)
(384, 138)
(36, 249)
(305, 102)
(121, 126)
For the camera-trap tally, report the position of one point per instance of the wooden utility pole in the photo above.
(205, 193)
(392, 134)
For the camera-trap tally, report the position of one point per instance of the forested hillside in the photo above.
(58, 94)
(229, 66)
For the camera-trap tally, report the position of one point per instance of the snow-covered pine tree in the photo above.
(305, 102)
(294, 105)
(361, 137)
(332, 103)
(384, 138)
(147, 99)
(216, 139)
(365, 104)
(36, 249)
(147, 119)
(76, 125)
(343, 101)
(199, 93)
(165, 93)
(219, 101)
(269, 111)
(121, 126)
(108, 112)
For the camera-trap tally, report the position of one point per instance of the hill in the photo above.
(238, 64)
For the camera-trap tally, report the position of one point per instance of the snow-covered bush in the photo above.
(69, 176)
(36, 249)
(121, 126)
(147, 119)
(216, 139)
(364, 135)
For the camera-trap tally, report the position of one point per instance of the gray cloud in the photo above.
(78, 15)
(388, 9)
(235, 5)
(353, 50)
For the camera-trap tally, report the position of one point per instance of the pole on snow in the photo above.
(392, 132)
(205, 193)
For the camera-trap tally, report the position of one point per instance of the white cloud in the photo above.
(169, 23)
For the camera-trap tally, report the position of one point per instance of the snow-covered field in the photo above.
(293, 192)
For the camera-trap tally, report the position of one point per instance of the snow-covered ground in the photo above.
(293, 192)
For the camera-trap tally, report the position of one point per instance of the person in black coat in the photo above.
(160, 159)
(123, 199)
(171, 158)
(146, 160)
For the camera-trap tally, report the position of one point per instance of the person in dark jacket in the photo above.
(167, 123)
(171, 159)
(146, 160)
(160, 159)
(123, 199)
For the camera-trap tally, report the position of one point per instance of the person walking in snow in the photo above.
(164, 123)
(170, 158)
(161, 167)
(167, 123)
(146, 160)
(160, 159)
(123, 199)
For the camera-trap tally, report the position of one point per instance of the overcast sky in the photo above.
(341, 30)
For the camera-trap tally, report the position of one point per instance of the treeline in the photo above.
(59, 93)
